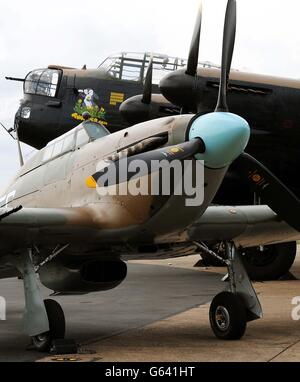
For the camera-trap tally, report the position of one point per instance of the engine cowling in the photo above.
(84, 277)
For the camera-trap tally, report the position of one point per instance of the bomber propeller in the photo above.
(194, 48)
(147, 94)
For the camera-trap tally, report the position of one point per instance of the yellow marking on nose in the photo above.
(90, 182)
(116, 98)
(176, 150)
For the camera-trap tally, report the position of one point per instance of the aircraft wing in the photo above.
(246, 226)
(37, 217)
(19, 227)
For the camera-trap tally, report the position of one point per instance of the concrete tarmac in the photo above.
(187, 336)
(150, 293)
(160, 313)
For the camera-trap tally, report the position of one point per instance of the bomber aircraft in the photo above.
(58, 224)
(56, 98)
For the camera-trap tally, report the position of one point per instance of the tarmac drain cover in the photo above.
(65, 359)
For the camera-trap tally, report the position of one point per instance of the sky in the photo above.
(34, 34)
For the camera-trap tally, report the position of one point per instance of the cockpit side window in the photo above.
(59, 147)
(68, 144)
(82, 138)
(48, 153)
(42, 82)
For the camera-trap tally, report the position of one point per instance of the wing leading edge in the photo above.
(246, 226)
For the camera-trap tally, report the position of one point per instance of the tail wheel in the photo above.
(57, 326)
(227, 315)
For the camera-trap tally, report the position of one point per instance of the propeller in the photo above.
(262, 181)
(147, 94)
(152, 161)
(227, 52)
(219, 137)
(194, 48)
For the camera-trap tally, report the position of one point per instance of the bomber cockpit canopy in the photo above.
(42, 82)
(133, 66)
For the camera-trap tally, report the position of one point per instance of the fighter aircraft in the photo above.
(56, 98)
(56, 221)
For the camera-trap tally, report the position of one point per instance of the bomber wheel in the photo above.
(57, 325)
(227, 316)
(270, 263)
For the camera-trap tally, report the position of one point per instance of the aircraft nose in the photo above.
(225, 136)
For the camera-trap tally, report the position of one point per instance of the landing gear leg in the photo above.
(43, 320)
(231, 310)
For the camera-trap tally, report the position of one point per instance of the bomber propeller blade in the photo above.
(194, 48)
(147, 94)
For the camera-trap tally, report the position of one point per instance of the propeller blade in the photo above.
(227, 52)
(120, 170)
(194, 48)
(147, 95)
(273, 192)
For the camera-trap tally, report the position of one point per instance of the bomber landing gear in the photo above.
(269, 262)
(231, 310)
(44, 321)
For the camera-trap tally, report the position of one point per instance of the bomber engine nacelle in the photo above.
(88, 276)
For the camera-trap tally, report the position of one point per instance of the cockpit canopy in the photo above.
(133, 66)
(84, 133)
(42, 82)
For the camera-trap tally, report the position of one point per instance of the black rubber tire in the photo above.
(276, 262)
(236, 322)
(57, 325)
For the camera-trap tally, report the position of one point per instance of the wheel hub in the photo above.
(41, 338)
(222, 318)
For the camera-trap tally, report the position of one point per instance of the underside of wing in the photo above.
(24, 226)
(246, 226)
